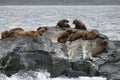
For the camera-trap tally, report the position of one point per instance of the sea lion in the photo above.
(99, 49)
(64, 36)
(63, 23)
(90, 35)
(76, 34)
(42, 29)
(32, 33)
(79, 24)
(9, 33)
(5, 34)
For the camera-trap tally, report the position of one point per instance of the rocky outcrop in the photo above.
(25, 53)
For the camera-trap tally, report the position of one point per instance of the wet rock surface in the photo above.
(24, 53)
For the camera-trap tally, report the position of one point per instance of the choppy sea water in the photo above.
(40, 75)
(104, 18)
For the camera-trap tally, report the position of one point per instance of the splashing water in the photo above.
(42, 75)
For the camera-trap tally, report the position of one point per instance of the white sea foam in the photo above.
(40, 75)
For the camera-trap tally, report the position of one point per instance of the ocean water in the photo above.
(104, 18)
(43, 75)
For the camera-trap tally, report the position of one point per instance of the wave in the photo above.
(42, 75)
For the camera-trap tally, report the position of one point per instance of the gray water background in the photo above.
(105, 18)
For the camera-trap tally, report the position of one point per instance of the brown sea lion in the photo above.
(76, 34)
(64, 36)
(9, 33)
(89, 35)
(5, 34)
(32, 33)
(63, 23)
(15, 29)
(79, 24)
(99, 49)
(42, 28)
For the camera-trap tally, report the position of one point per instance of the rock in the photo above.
(60, 50)
(74, 73)
(74, 50)
(111, 67)
(86, 66)
(114, 76)
(53, 33)
(59, 59)
(108, 68)
(99, 61)
(11, 64)
(25, 53)
(59, 66)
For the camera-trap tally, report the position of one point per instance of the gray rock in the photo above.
(109, 68)
(99, 61)
(24, 53)
(59, 67)
(53, 33)
(86, 66)
(114, 76)
(60, 50)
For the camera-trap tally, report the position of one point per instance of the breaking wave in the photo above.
(42, 75)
